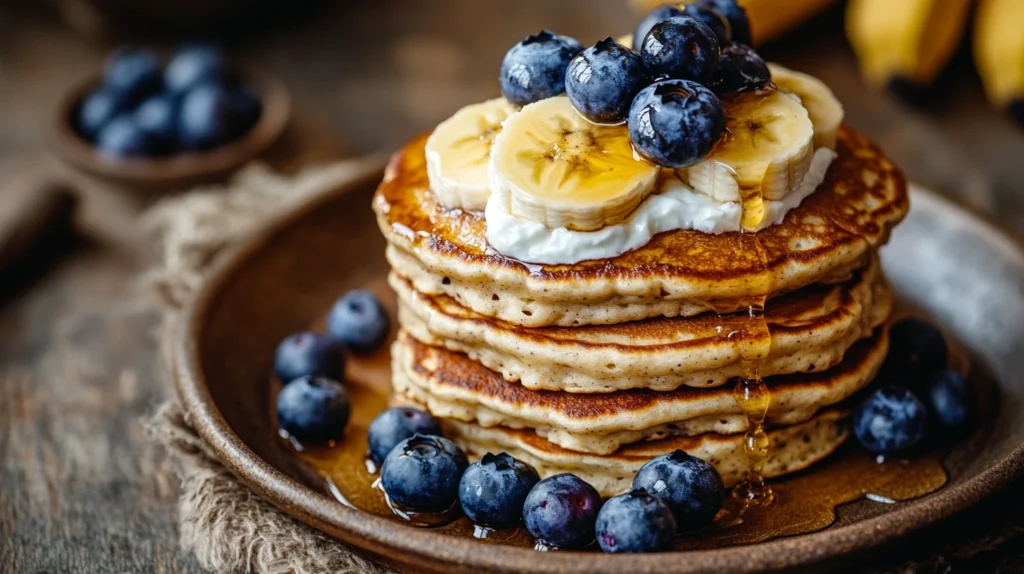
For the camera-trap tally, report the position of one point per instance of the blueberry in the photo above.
(736, 15)
(313, 410)
(951, 401)
(714, 19)
(212, 115)
(676, 123)
(422, 473)
(358, 321)
(534, 69)
(690, 486)
(663, 12)
(157, 117)
(603, 80)
(395, 425)
(96, 110)
(492, 491)
(121, 138)
(917, 351)
(193, 65)
(681, 47)
(305, 354)
(740, 69)
(561, 510)
(891, 420)
(134, 72)
(635, 522)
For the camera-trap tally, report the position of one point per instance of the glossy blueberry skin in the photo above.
(534, 69)
(121, 138)
(917, 352)
(157, 117)
(663, 12)
(561, 510)
(395, 425)
(212, 115)
(740, 69)
(134, 72)
(603, 80)
(307, 353)
(313, 410)
(492, 490)
(635, 522)
(681, 47)
(193, 65)
(739, 22)
(97, 109)
(676, 123)
(951, 402)
(715, 20)
(891, 420)
(422, 473)
(358, 321)
(689, 486)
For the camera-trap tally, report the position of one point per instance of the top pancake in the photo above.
(682, 272)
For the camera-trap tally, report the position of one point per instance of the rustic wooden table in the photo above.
(81, 489)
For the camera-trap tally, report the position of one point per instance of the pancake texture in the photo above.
(810, 331)
(453, 386)
(680, 273)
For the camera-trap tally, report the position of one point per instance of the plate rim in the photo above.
(426, 548)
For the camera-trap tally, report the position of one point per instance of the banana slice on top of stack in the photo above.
(552, 166)
(824, 110)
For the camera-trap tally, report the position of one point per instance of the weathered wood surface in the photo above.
(81, 490)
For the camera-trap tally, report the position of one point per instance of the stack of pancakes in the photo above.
(597, 367)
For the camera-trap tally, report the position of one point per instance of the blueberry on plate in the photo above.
(534, 69)
(917, 351)
(676, 123)
(358, 321)
(395, 425)
(635, 522)
(715, 20)
(307, 353)
(212, 115)
(422, 473)
(740, 69)
(195, 64)
(121, 138)
(157, 117)
(603, 80)
(492, 490)
(690, 486)
(134, 72)
(97, 109)
(681, 47)
(736, 15)
(951, 401)
(891, 420)
(313, 410)
(663, 12)
(561, 510)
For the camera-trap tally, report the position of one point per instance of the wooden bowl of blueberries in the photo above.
(148, 122)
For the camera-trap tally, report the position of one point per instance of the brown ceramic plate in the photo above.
(179, 169)
(950, 263)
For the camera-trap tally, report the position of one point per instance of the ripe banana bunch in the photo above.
(458, 153)
(550, 165)
(999, 53)
(768, 18)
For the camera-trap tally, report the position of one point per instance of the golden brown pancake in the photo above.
(832, 233)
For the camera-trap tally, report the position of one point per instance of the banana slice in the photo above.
(766, 153)
(823, 108)
(458, 152)
(552, 166)
(625, 40)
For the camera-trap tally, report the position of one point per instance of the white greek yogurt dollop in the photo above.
(676, 207)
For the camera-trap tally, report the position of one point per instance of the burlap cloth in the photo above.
(226, 526)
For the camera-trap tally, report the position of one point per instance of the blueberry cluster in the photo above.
(313, 406)
(666, 86)
(916, 394)
(143, 109)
